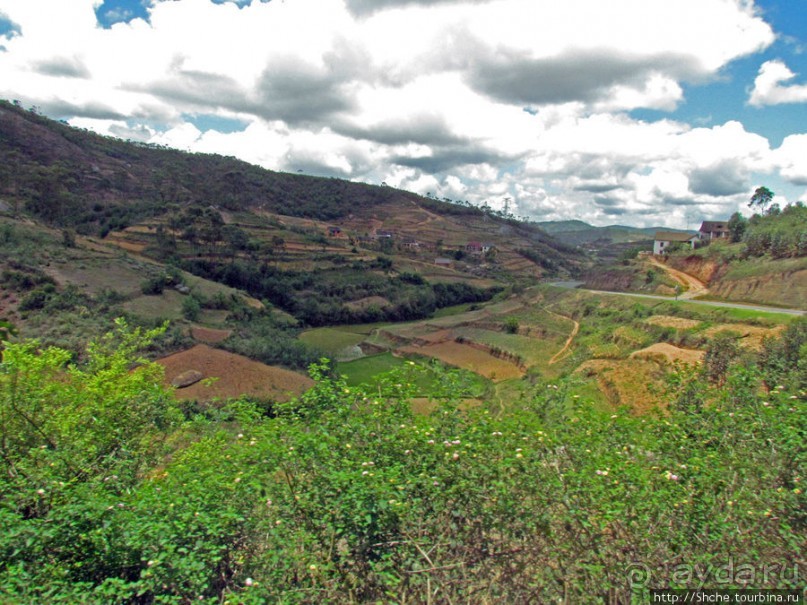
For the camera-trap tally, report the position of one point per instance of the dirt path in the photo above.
(692, 285)
(562, 353)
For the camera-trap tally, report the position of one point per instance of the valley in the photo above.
(226, 385)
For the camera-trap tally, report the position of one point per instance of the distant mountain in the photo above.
(69, 177)
(580, 233)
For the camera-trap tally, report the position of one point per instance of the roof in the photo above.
(709, 226)
(674, 236)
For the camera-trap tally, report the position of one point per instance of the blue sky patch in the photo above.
(205, 122)
(121, 11)
(8, 29)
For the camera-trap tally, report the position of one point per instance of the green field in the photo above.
(427, 382)
(331, 340)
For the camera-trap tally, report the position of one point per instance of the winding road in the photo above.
(707, 303)
(693, 287)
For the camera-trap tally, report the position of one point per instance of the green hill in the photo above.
(73, 178)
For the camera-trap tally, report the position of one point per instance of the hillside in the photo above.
(579, 232)
(97, 185)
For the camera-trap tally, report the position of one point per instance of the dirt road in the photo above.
(693, 287)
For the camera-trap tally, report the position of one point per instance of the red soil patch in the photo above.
(209, 334)
(236, 375)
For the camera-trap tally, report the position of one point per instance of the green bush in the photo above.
(344, 495)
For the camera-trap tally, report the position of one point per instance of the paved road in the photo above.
(708, 303)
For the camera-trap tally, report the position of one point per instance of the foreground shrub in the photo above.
(346, 496)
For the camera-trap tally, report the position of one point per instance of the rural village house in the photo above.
(664, 239)
(713, 230)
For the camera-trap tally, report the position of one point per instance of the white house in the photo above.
(664, 239)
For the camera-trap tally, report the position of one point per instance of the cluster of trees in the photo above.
(109, 494)
(774, 231)
(320, 297)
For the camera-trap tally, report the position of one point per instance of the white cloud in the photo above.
(791, 158)
(769, 88)
(468, 99)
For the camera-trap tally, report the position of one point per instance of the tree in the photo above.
(761, 198)
(737, 227)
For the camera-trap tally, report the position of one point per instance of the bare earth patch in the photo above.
(668, 321)
(209, 335)
(751, 337)
(635, 383)
(236, 375)
(669, 353)
(469, 358)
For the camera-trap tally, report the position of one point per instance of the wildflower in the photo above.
(312, 567)
(41, 492)
(240, 435)
(456, 456)
(671, 476)
(797, 491)
(268, 503)
(363, 473)
(407, 452)
(601, 473)
(765, 403)
(249, 582)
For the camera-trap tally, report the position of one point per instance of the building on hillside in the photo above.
(487, 247)
(473, 247)
(443, 262)
(334, 231)
(411, 244)
(713, 230)
(664, 239)
(384, 234)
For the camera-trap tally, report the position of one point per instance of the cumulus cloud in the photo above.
(770, 90)
(471, 99)
(791, 157)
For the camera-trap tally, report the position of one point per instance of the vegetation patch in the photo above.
(469, 358)
(669, 321)
(209, 335)
(749, 337)
(634, 383)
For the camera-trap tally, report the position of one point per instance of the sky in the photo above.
(633, 112)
